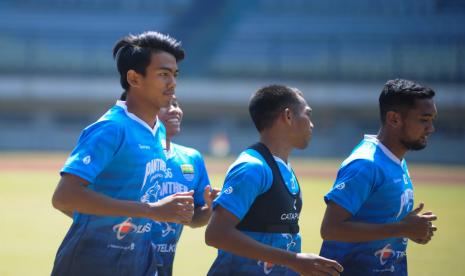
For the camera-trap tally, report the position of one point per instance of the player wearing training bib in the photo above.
(248, 178)
(254, 224)
(369, 216)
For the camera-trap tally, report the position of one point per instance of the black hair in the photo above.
(134, 52)
(269, 101)
(400, 95)
(123, 96)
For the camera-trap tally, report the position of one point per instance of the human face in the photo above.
(159, 82)
(417, 124)
(302, 126)
(171, 117)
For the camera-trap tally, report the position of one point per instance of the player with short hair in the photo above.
(369, 216)
(185, 172)
(107, 182)
(255, 219)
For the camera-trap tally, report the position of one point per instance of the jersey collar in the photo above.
(288, 165)
(169, 153)
(373, 139)
(132, 116)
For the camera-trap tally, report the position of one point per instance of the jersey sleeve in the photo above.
(95, 149)
(353, 185)
(244, 182)
(202, 180)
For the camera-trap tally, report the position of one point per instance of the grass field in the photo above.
(31, 230)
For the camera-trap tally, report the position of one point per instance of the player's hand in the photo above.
(209, 194)
(312, 264)
(419, 227)
(178, 208)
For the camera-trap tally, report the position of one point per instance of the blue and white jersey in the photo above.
(121, 157)
(247, 178)
(375, 187)
(185, 172)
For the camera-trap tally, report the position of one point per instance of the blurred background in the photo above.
(57, 74)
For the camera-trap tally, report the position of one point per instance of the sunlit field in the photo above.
(31, 230)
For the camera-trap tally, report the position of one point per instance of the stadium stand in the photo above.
(57, 73)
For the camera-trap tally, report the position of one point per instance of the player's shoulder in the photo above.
(362, 157)
(250, 162)
(354, 162)
(364, 154)
(187, 151)
(105, 124)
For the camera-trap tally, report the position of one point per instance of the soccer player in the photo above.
(369, 216)
(255, 219)
(185, 172)
(107, 184)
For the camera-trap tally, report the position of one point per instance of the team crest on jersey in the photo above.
(187, 171)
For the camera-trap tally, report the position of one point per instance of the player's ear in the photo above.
(133, 78)
(393, 119)
(287, 115)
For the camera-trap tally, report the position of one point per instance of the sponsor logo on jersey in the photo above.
(166, 228)
(340, 186)
(126, 227)
(289, 216)
(229, 190)
(165, 248)
(144, 147)
(405, 179)
(406, 202)
(293, 184)
(267, 267)
(389, 269)
(187, 171)
(86, 160)
(404, 241)
(127, 247)
(385, 253)
(290, 241)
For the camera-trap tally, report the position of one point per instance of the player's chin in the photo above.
(303, 144)
(166, 102)
(419, 145)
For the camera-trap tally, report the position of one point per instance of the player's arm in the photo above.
(203, 213)
(72, 195)
(337, 225)
(222, 233)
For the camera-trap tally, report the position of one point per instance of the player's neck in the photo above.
(391, 141)
(277, 146)
(144, 112)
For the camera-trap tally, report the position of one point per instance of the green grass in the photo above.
(31, 230)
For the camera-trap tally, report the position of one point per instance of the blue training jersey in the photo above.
(375, 187)
(247, 178)
(185, 172)
(121, 157)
